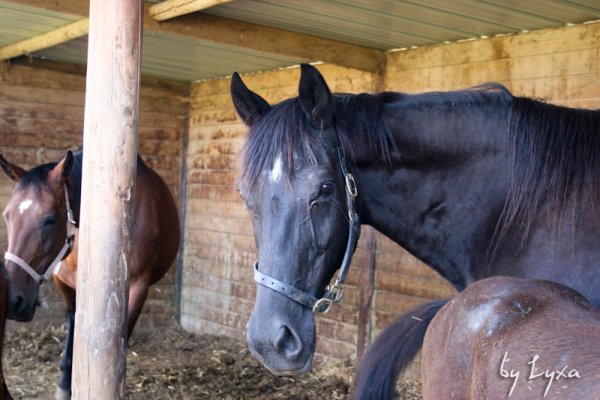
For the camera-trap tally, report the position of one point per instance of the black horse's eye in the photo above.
(326, 189)
(49, 221)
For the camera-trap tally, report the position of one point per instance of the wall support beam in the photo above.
(174, 8)
(108, 184)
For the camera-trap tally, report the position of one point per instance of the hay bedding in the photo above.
(174, 364)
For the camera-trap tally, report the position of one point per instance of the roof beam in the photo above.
(310, 48)
(45, 40)
(230, 32)
(174, 8)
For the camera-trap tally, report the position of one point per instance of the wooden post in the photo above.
(367, 288)
(109, 166)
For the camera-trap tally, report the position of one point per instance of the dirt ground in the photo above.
(174, 364)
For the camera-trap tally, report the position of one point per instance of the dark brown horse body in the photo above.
(511, 338)
(37, 224)
(4, 394)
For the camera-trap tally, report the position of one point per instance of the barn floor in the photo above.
(174, 364)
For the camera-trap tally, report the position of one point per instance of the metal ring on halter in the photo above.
(351, 185)
(322, 305)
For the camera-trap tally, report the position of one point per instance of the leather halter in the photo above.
(335, 292)
(64, 251)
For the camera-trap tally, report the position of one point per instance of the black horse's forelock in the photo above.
(286, 131)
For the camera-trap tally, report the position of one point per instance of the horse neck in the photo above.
(442, 196)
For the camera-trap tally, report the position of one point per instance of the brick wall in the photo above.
(41, 116)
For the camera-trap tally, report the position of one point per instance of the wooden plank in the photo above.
(543, 42)
(108, 185)
(366, 294)
(76, 72)
(174, 8)
(55, 37)
(182, 203)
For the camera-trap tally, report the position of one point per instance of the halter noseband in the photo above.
(64, 251)
(335, 292)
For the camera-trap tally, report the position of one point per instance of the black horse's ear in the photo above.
(248, 104)
(12, 171)
(315, 96)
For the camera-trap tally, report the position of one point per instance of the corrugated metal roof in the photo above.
(388, 24)
(378, 24)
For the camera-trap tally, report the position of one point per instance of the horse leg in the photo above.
(138, 292)
(63, 391)
(3, 299)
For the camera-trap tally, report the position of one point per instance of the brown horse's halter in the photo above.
(335, 292)
(55, 265)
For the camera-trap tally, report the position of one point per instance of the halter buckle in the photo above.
(336, 292)
(70, 217)
(333, 294)
(351, 185)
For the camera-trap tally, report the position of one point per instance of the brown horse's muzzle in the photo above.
(22, 294)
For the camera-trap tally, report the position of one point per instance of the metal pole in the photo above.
(109, 166)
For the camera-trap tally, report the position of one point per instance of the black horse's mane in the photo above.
(555, 153)
(553, 149)
(286, 129)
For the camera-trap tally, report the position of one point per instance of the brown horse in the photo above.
(41, 218)
(512, 338)
(4, 394)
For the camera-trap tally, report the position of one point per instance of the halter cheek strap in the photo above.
(56, 263)
(289, 291)
(335, 292)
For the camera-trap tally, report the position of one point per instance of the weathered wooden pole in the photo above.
(109, 166)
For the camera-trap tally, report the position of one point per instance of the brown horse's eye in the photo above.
(326, 188)
(49, 221)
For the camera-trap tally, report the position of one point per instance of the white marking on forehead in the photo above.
(277, 171)
(24, 205)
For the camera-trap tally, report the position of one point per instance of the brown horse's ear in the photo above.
(11, 170)
(315, 96)
(248, 104)
(62, 170)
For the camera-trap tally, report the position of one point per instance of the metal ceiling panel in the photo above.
(182, 59)
(165, 56)
(387, 24)
(19, 22)
(378, 24)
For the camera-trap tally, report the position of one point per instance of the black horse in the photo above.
(475, 183)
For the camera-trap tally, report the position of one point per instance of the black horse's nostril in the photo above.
(287, 343)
